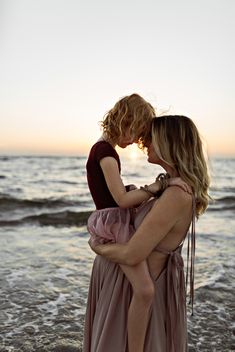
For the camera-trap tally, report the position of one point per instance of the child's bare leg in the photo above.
(142, 298)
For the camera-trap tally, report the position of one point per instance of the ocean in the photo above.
(46, 261)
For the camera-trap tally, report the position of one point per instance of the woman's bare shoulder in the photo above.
(176, 196)
(179, 193)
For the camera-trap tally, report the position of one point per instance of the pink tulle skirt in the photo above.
(110, 225)
(116, 225)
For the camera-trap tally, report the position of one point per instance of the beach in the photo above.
(46, 261)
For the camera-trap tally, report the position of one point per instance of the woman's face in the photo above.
(153, 157)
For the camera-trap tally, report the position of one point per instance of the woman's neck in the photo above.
(170, 170)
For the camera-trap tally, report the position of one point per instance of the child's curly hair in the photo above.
(131, 112)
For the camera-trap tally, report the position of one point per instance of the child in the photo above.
(129, 121)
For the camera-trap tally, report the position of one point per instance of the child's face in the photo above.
(126, 139)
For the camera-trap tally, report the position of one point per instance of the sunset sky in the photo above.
(64, 63)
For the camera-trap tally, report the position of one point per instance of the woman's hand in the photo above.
(97, 248)
(116, 252)
(177, 181)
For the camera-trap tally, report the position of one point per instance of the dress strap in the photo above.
(164, 251)
(191, 255)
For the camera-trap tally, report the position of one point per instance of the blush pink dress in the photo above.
(110, 292)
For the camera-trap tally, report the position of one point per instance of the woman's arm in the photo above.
(165, 213)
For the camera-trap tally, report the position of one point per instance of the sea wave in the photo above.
(62, 218)
(4, 158)
(222, 204)
(66, 212)
(9, 203)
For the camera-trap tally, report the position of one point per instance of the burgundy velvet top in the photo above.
(95, 177)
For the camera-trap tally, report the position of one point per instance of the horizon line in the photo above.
(75, 155)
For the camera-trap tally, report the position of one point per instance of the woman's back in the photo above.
(158, 258)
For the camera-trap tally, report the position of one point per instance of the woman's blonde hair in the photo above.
(132, 112)
(178, 141)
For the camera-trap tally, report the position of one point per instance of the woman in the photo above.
(177, 147)
(127, 122)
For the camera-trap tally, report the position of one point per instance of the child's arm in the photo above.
(116, 187)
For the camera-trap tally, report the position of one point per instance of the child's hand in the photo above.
(177, 181)
(130, 187)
